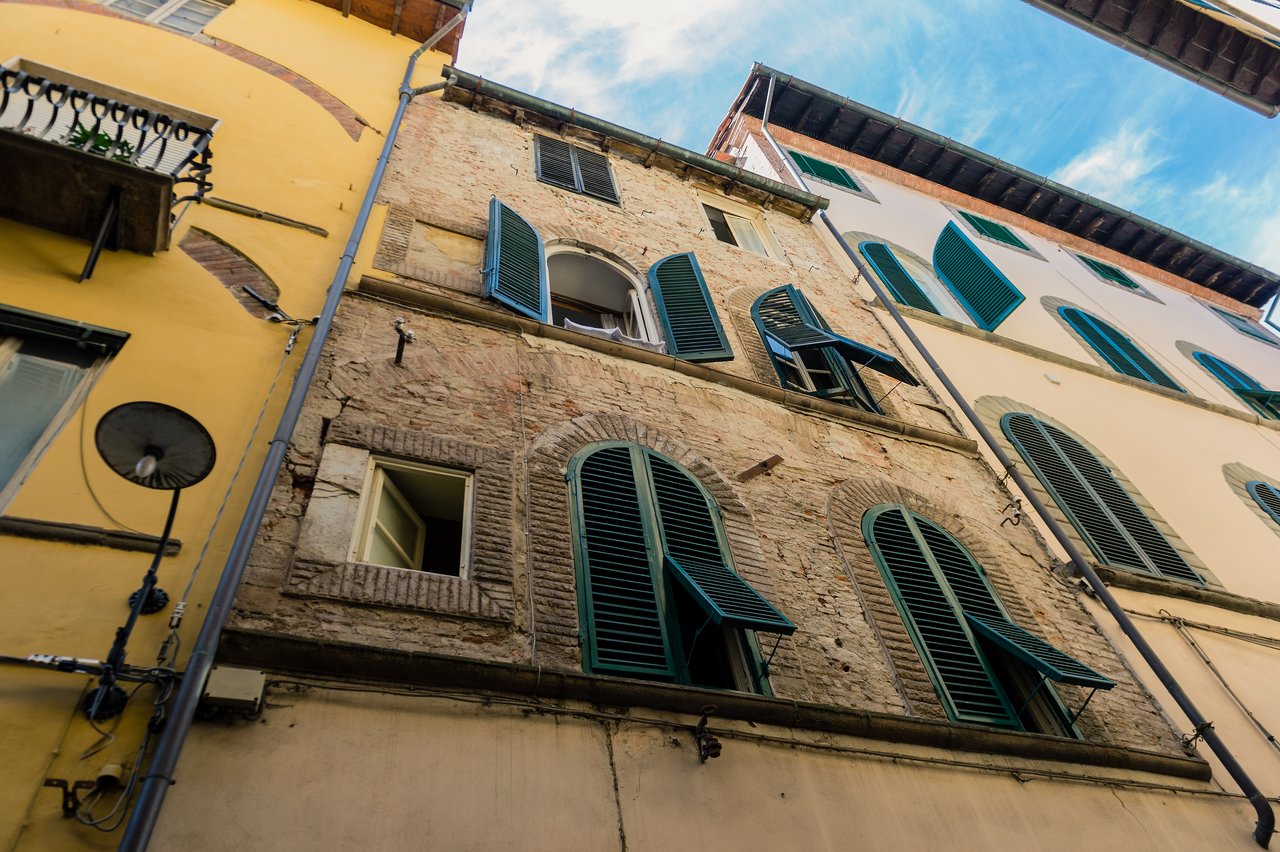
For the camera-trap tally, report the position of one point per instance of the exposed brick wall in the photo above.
(793, 533)
(233, 270)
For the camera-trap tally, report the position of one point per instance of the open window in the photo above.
(658, 596)
(591, 295)
(414, 516)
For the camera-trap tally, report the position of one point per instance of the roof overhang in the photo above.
(827, 117)
(1207, 44)
(414, 19)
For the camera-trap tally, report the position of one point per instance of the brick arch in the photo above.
(740, 301)
(1009, 569)
(552, 577)
(233, 268)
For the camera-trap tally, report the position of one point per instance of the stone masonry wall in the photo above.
(515, 407)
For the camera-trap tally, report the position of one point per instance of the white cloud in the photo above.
(591, 55)
(1118, 168)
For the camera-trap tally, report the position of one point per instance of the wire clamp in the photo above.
(70, 789)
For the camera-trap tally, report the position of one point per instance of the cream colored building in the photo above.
(617, 518)
(1121, 365)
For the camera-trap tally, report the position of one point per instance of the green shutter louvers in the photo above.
(690, 323)
(982, 289)
(994, 230)
(1039, 654)
(1106, 271)
(515, 272)
(575, 169)
(895, 277)
(788, 319)
(822, 170)
(1116, 349)
(625, 631)
(1112, 525)
(1265, 402)
(1267, 496)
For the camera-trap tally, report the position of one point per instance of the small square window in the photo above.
(415, 516)
(184, 16)
(993, 230)
(1107, 272)
(1244, 325)
(735, 230)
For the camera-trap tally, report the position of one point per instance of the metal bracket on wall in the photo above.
(70, 801)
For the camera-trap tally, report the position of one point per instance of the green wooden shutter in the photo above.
(597, 179)
(690, 323)
(1245, 326)
(900, 283)
(696, 557)
(961, 675)
(983, 289)
(1117, 531)
(1108, 272)
(1264, 402)
(515, 271)
(1268, 497)
(978, 601)
(1117, 349)
(554, 159)
(624, 629)
(822, 170)
(994, 230)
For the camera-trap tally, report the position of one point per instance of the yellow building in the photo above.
(218, 156)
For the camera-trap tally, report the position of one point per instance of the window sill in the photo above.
(397, 588)
(277, 652)
(1173, 589)
(81, 534)
(479, 314)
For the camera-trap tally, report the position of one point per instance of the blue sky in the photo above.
(998, 75)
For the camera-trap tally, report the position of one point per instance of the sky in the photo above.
(997, 75)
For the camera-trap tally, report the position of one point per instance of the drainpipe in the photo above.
(159, 776)
(1266, 824)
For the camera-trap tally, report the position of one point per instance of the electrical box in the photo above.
(229, 688)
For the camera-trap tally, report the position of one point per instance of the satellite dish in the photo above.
(155, 445)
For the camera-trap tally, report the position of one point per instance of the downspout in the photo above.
(1265, 826)
(159, 777)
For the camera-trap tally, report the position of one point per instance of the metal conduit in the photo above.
(1266, 823)
(146, 812)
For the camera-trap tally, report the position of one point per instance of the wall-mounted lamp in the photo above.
(708, 744)
(156, 446)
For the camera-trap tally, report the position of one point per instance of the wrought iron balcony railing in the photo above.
(95, 162)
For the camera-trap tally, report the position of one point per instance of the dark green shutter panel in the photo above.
(789, 319)
(689, 319)
(515, 264)
(1117, 349)
(823, 170)
(961, 675)
(1265, 402)
(597, 180)
(900, 283)
(994, 230)
(1110, 273)
(1115, 528)
(986, 294)
(1245, 326)
(694, 555)
(1268, 497)
(555, 162)
(1037, 653)
(624, 629)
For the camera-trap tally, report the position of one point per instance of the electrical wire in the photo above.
(1021, 774)
(84, 468)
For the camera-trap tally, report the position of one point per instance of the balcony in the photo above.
(98, 163)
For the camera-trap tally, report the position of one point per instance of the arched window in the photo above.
(657, 594)
(587, 294)
(591, 295)
(911, 281)
(810, 358)
(1116, 349)
(985, 668)
(1113, 526)
(1265, 402)
(1267, 496)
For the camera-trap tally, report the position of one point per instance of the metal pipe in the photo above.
(1266, 823)
(159, 776)
(1151, 54)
